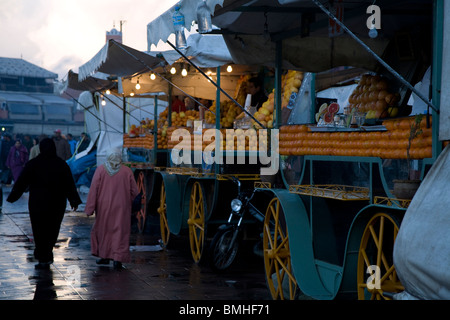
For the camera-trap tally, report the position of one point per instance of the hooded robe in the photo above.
(111, 195)
(17, 157)
(50, 185)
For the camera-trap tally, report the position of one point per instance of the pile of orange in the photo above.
(390, 144)
(145, 141)
(242, 140)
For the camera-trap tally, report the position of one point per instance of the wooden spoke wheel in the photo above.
(196, 221)
(277, 256)
(376, 272)
(162, 210)
(141, 182)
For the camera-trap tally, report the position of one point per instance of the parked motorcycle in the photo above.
(226, 242)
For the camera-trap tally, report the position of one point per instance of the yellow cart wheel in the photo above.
(141, 182)
(196, 221)
(162, 210)
(376, 272)
(277, 256)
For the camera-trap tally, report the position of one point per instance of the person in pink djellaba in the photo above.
(110, 197)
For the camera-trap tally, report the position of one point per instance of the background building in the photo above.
(28, 104)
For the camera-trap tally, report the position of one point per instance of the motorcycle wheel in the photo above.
(222, 253)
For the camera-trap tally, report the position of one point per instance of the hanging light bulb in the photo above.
(108, 91)
(184, 72)
(173, 70)
(103, 101)
(152, 76)
(131, 94)
(138, 86)
(229, 68)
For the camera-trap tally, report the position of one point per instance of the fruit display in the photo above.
(241, 89)
(232, 140)
(146, 141)
(180, 119)
(327, 112)
(228, 113)
(290, 83)
(145, 126)
(390, 144)
(374, 97)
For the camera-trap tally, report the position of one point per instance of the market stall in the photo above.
(339, 212)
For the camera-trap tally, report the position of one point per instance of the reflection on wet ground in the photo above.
(153, 273)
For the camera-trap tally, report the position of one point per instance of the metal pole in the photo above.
(155, 128)
(278, 73)
(395, 73)
(436, 72)
(218, 142)
(124, 111)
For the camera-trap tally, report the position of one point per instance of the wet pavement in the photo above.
(153, 273)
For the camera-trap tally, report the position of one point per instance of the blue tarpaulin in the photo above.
(83, 168)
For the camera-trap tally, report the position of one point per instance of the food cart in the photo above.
(338, 215)
(184, 195)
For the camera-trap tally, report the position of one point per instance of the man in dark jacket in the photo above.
(62, 146)
(7, 143)
(50, 183)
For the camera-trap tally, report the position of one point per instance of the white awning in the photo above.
(162, 27)
(118, 60)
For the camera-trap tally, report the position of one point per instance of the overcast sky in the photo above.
(59, 35)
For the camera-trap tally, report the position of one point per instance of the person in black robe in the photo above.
(50, 184)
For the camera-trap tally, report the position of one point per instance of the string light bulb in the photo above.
(184, 72)
(108, 91)
(132, 94)
(173, 70)
(229, 68)
(103, 101)
(152, 76)
(138, 86)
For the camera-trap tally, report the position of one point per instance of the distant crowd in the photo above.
(17, 149)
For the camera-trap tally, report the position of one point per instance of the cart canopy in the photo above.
(116, 59)
(310, 42)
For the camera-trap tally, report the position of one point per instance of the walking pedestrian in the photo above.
(83, 143)
(62, 146)
(111, 195)
(17, 157)
(34, 151)
(72, 143)
(50, 183)
(7, 143)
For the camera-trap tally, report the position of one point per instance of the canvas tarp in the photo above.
(205, 51)
(422, 247)
(162, 27)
